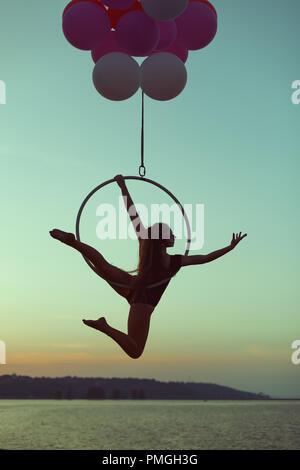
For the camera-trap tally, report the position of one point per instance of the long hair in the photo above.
(149, 254)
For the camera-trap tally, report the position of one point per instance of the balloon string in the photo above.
(142, 168)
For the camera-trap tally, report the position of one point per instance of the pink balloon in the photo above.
(85, 25)
(117, 76)
(109, 45)
(177, 49)
(197, 26)
(118, 4)
(168, 33)
(137, 34)
(163, 76)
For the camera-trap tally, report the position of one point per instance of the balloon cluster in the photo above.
(115, 31)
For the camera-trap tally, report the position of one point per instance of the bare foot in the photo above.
(99, 324)
(64, 237)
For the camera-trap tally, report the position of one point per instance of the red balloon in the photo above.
(206, 3)
(85, 25)
(118, 4)
(197, 26)
(177, 49)
(108, 46)
(115, 15)
(168, 33)
(137, 33)
(78, 1)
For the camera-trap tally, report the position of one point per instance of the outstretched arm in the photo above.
(130, 207)
(201, 259)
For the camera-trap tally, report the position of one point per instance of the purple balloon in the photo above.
(177, 49)
(109, 45)
(85, 25)
(118, 4)
(168, 33)
(137, 34)
(197, 26)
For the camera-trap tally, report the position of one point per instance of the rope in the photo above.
(142, 168)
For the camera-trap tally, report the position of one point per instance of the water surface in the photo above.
(149, 424)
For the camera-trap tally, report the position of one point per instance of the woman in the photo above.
(155, 265)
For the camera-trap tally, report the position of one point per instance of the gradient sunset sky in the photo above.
(229, 141)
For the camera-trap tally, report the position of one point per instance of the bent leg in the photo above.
(139, 324)
(134, 342)
(124, 341)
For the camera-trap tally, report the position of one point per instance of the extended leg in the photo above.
(104, 269)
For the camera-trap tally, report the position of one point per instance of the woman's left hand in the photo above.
(236, 238)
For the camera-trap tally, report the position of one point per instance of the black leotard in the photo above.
(153, 295)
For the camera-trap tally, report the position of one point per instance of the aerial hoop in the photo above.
(102, 185)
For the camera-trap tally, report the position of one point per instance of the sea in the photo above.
(149, 424)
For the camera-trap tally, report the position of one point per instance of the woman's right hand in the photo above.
(120, 180)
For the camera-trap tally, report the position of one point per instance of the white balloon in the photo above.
(164, 76)
(117, 76)
(164, 10)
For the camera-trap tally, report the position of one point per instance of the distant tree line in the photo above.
(98, 393)
(91, 388)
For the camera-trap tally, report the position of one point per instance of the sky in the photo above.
(228, 141)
